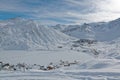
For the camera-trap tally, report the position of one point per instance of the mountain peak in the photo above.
(24, 34)
(16, 19)
(98, 30)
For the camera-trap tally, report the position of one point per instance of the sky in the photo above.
(61, 11)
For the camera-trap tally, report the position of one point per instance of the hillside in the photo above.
(101, 31)
(22, 34)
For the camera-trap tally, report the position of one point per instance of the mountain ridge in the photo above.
(24, 34)
(101, 31)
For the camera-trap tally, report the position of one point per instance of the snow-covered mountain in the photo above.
(101, 31)
(22, 34)
(85, 59)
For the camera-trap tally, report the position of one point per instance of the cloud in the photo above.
(11, 5)
(63, 11)
(110, 6)
(94, 17)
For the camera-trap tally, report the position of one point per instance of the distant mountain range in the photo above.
(101, 31)
(24, 34)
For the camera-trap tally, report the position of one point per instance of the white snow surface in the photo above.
(101, 31)
(89, 68)
(24, 41)
(23, 34)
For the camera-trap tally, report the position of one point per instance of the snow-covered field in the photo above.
(61, 74)
(41, 57)
(89, 68)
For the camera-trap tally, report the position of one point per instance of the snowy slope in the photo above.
(101, 31)
(22, 34)
(60, 27)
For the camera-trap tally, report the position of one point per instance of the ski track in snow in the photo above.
(61, 75)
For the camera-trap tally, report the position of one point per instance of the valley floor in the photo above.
(88, 68)
(42, 57)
